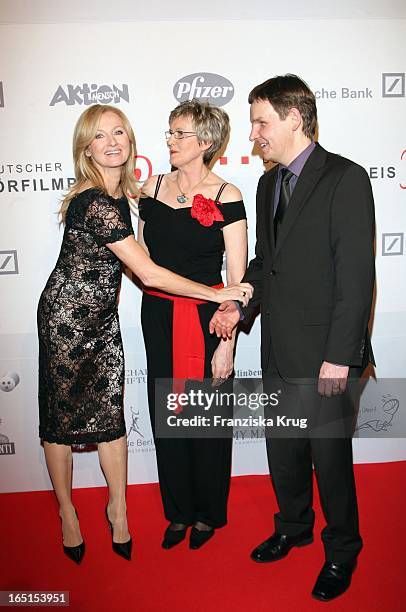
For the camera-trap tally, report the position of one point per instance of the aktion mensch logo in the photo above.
(90, 94)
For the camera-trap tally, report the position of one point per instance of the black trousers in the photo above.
(194, 477)
(194, 473)
(327, 444)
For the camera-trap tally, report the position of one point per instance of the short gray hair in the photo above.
(211, 124)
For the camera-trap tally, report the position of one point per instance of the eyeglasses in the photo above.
(178, 134)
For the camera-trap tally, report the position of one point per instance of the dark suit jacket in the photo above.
(315, 286)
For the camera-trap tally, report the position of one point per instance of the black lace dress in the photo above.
(81, 360)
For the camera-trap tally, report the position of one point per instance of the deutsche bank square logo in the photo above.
(1, 95)
(8, 262)
(392, 244)
(393, 84)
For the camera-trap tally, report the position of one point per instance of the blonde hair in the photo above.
(210, 122)
(85, 170)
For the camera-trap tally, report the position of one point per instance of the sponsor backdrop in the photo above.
(50, 73)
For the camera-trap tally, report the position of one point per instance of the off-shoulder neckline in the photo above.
(182, 207)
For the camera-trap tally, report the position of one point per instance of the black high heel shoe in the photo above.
(120, 548)
(75, 553)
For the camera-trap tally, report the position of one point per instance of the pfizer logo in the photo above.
(204, 86)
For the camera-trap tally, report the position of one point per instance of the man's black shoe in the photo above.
(277, 546)
(333, 580)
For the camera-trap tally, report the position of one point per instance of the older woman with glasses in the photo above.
(189, 217)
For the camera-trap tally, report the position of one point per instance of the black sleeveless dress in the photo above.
(194, 474)
(81, 361)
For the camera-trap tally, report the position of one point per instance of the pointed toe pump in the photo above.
(123, 549)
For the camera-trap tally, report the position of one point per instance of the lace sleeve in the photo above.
(108, 220)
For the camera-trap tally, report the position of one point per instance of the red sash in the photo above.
(187, 338)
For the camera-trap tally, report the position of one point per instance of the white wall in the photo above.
(336, 58)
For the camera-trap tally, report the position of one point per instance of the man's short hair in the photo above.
(286, 92)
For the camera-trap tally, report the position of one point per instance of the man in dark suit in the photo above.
(313, 277)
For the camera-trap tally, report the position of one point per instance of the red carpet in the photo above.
(221, 575)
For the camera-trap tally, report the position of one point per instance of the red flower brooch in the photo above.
(205, 211)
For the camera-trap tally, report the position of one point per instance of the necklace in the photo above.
(182, 197)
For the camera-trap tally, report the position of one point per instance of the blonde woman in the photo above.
(188, 219)
(81, 364)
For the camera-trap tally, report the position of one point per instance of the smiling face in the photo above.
(185, 150)
(274, 136)
(110, 147)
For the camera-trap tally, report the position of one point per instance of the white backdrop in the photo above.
(48, 75)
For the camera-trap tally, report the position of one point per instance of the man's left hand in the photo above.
(332, 379)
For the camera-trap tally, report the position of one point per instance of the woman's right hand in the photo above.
(242, 292)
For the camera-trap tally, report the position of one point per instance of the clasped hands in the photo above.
(223, 323)
(242, 292)
(332, 377)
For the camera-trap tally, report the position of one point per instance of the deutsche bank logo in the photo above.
(393, 84)
(392, 244)
(8, 262)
